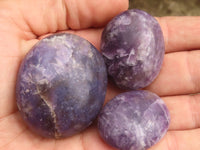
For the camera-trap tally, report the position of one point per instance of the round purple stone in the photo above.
(134, 120)
(133, 47)
(61, 85)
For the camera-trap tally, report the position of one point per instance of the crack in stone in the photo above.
(44, 98)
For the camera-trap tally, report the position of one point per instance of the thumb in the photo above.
(47, 16)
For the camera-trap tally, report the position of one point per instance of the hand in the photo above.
(179, 82)
(23, 23)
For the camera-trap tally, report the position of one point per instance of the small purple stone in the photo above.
(61, 85)
(133, 47)
(134, 120)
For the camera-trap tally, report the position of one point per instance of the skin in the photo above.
(24, 22)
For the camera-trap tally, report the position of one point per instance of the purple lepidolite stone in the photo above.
(134, 120)
(61, 85)
(133, 47)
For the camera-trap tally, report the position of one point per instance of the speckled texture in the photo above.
(61, 85)
(134, 120)
(133, 47)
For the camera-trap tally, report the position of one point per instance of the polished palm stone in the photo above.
(134, 120)
(61, 85)
(132, 44)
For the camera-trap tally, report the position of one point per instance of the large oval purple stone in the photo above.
(133, 47)
(61, 85)
(134, 120)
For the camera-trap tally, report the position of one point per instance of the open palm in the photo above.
(24, 22)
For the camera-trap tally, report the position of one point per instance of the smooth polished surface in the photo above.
(133, 47)
(134, 120)
(61, 85)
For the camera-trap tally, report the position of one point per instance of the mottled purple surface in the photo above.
(134, 120)
(133, 47)
(61, 85)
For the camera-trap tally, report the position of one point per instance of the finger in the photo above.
(184, 111)
(179, 140)
(180, 74)
(42, 17)
(180, 33)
